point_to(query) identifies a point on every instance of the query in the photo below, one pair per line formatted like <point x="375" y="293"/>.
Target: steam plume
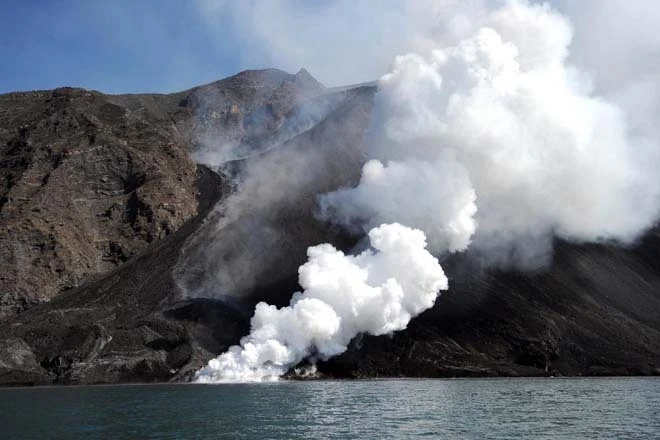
<point x="503" y="110"/>
<point x="375" y="292"/>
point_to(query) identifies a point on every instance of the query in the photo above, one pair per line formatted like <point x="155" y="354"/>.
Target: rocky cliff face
<point x="87" y="180"/>
<point x="122" y="259"/>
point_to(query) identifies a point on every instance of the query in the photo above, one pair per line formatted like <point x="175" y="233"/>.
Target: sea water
<point x="561" y="408"/>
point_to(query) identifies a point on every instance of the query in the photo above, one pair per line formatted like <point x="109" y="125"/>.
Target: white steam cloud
<point x="435" y="197"/>
<point x="503" y="110"/>
<point x="375" y="292"/>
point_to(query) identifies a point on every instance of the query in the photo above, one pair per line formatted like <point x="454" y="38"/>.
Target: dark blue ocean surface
<point x="587" y="408"/>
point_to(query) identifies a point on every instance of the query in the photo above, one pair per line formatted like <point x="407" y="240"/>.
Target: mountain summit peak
<point x="303" y="76"/>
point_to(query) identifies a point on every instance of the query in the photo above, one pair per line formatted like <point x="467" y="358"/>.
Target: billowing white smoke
<point x="488" y="113"/>
<point x="375" y="292"/>
<point x="444" y="210"/>
<point x="501" y="115"/>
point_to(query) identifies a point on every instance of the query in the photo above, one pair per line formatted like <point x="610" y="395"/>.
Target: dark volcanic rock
<point x="116" y="329"/>
<point x="88" y="180"/>
<point x="113" y="240"/>
<point x="596" y="311"/>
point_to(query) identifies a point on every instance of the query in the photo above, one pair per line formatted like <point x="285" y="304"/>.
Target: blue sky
<point x="113" y="46"/>
<point x="123" y="46"/>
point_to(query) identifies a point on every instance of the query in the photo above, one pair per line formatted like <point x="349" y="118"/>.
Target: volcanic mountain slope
<point x="89" y="180"/>
<point x="595" y="311"/>
<point x="114" y="244"/>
